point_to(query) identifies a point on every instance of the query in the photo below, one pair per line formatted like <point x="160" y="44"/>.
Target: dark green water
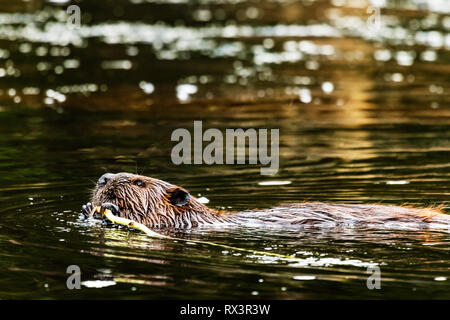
<point x="363" y="115"/>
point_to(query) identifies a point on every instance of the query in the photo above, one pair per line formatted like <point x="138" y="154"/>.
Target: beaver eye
<point x="139" y="183"/>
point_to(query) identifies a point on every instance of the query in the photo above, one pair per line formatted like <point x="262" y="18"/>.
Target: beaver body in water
<point x="159" y="204"/>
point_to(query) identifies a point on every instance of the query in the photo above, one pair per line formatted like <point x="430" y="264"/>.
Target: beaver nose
<point x="105" y="178"/>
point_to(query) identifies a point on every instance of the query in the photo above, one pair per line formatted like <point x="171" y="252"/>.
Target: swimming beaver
<point x="159" y="204"/>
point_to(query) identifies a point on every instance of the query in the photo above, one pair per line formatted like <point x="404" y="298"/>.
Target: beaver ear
<point x="178" y="196"/>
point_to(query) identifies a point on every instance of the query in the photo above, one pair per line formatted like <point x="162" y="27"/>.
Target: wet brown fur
<point x="153" y="202"/>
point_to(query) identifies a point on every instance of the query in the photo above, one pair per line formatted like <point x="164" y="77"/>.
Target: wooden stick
<point x="106" y="213"/>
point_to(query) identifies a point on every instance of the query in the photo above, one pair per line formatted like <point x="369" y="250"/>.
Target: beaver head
<point x="153" y="202"/>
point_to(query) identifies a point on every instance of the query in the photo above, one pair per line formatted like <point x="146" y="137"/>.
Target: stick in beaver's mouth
<point x="108" y="212"/>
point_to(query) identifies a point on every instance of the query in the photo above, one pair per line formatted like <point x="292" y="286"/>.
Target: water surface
<point x="363" y="113"/>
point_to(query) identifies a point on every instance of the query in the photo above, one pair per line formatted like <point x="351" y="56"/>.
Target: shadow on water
<point x="363" y="116"/>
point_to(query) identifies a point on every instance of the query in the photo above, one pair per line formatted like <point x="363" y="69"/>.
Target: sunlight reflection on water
<point x="363" y="117"/>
